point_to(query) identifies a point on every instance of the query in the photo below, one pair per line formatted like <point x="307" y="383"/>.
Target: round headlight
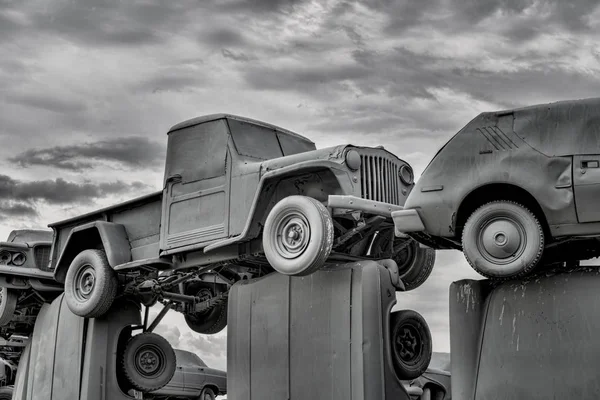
<point x="405" y="174"/>
<point x="5" y="257"/>
<point x="18" y="259"/>
<point x="353" y="160"/>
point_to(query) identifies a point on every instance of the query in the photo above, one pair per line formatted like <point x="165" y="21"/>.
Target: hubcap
<point x="501" y="239"/>
<point x="293" y="235"/>
<point x="149" y="361"/>
<point x="85" y="282"/>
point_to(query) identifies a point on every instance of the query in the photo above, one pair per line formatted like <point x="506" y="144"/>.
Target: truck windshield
<point x="540" y="340"/>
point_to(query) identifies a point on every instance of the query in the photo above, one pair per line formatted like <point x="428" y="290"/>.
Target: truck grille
<point x="42" y="257"/>
<point x="380" y="180"/>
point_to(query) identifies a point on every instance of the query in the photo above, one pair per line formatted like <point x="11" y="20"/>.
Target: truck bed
<point x="141" y="218"/>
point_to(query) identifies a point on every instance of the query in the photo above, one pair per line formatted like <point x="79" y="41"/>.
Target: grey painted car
<point x="25" y="280"/>
<point x="513" y="189"/>
<point x="193" y="379"/>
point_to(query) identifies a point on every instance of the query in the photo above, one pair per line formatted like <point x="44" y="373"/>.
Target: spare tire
<point x="411" y="345"/>
<point x="149" y="362"/>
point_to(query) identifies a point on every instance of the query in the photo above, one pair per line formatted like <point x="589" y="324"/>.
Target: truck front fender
<point x="108" y="236"/>
<point x="264" y="197"/>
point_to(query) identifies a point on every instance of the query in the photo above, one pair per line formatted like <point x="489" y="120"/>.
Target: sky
<point x="89" y="88"/>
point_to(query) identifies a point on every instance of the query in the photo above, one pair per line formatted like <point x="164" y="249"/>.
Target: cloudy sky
<point x="89" y="88"/>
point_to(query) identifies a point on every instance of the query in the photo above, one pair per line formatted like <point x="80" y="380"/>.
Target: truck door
<point x="197" y="181"/>
<point x="586" y="181"/>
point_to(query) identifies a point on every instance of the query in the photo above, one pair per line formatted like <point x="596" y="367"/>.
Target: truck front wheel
<point x="90" y="284"/>
<point x="298" y="236"/>
<point x="411" y="345"/>
<point x="149" y="362"/>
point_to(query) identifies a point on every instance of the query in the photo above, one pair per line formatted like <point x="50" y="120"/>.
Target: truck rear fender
<point x="107" y="236"/>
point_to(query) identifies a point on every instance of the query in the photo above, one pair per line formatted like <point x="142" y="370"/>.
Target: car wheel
<point x="298" y="236"/>
<point x="90" y="284"/>
<point x="210" y="321"/>
<point x="8" y="305"/>
<point x="148" y="362"/>
<point x="503" y="240"/>
<point x="207" y="394"/>
<point x="6" y="393"/>
<point x="410" y="344"/>
<point x="415" y="263"/>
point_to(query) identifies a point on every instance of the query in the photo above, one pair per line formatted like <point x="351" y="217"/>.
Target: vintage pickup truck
<point x="241" y="198"/>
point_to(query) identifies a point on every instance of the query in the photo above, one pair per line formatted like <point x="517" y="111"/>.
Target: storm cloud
<point x="132" y="152"/>
<point x="61" y="192"/>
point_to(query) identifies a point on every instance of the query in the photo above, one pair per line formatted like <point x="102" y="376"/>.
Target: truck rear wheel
<point x="8" y="305"/>
<point x="411" y="345"/>
<point x="298" y="236"/>
<point x="210" y="321"/>
<point x="90" y="284"/>
<point x="502" y="240"/>
<point x="415" y="263"/>
<point x="149" y="362"/>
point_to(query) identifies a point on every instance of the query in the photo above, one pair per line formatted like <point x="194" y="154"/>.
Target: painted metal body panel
<point x="548" y="152"/>
<point x="70" y="357"/>
<point x="342" y="311"/>
<point x="192" y="375"/>
<point x="532" y="339"/>
<point x="485" y="152"/>
<point x="222" y="176"/>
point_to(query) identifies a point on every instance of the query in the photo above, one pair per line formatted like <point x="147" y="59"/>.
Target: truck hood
<point x="334" y="154"/>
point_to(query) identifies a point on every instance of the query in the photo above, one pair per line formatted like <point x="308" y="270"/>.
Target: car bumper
<point x="360" y="204"/>
<point x="406" y="221"/>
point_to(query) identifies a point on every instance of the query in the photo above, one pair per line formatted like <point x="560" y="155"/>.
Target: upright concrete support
<point x="323" y="336"/>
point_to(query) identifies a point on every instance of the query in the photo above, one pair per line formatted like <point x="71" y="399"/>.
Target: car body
<point x="191" y="378"/>
<point x="545" y="158"/>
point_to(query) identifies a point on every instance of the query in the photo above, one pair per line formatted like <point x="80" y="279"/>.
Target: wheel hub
<point x="85" y="282"/>
<point x="293" y="234"/>
<point x="407" y="344"/>
<point x="149" y="361"/>
<point x="501" y="238"/>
